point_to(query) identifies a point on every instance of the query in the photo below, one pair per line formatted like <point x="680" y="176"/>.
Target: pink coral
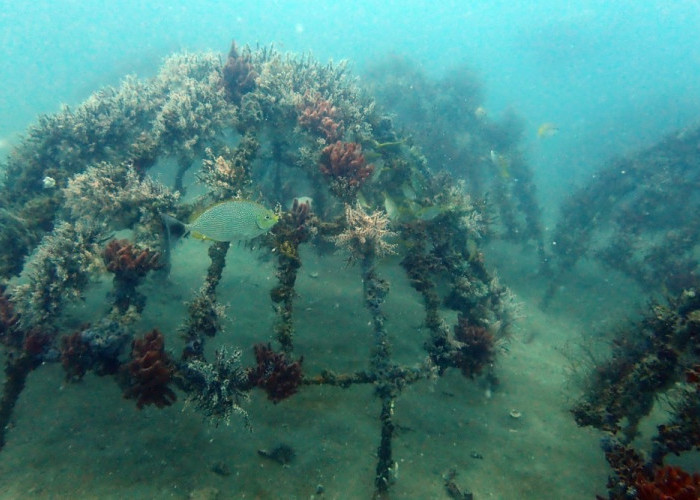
<point x="151" y="371"/>
<point x="344" y="164"/>
<point x="279" y="376"/>
<point x="476" y="347"/>
<point x="129" y="261"/>
<point x="239" y="75"/>
<point x="320" y="116"/>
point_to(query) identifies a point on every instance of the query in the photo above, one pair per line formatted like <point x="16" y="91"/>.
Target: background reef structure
<point x="654" y="362"/>
<point x="639" y="215"/>
<point x="446" y="118"/>
<point x="259" y="125"/>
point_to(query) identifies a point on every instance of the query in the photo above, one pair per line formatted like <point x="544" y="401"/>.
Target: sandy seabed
<point x="85" y="440"/>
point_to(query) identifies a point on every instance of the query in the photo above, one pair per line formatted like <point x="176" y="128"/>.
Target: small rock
<point x="208" y="493"/>
<point x="282" y="454"/>
<point x="221" y="468"/>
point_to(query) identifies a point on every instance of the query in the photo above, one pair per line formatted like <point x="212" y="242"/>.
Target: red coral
<point x="344" y="164"/>
<point x="275" y="373"/>
<point x="299" y="224"/>
<point x="476" y="347"/>
<point x="301" y="212"/>
<point x="151" y="370"/>
<point x="692" y="376"/>
<point x="320" y="116"/>
<point x="75" y="356"/>
<point x="239" y="75"/>
<point x="129" y="262"/>
<point x="669" y="483"/>
<point x="36" y="341"/>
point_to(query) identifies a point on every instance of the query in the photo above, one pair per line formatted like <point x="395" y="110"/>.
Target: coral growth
<point x="228" y="172"/>
<point x="37" y="342"/>
<point x="646" y="360"/>
<point x="150" y="371"/>
<point x="319" y="116"/>
<point x="365" y="234"/>
<point x="263" y="126"/>
<point x="205" y="316"/>
<point x="128" y="261"/>
<point x="175" y="114"/>
<point x="275" y="373"/>
<point x="302" y="219"/>
<point x="475" y="347"/>
<point x="224" y="172"/>
<point x="637" y="215"/>
<point x="75" y="356"/>
<point x="344" y="165"/>
<point x="633" y="478"/>
<point x="649" y="358"/>
<point x="193" y="106"/>
<point x="217" y="389"/>
<point x="117" y="196"/>
<point x="96" y="348"/>
<point x="672" y="483"/>
<point x="59" y="270"/>
<point x="238" y="75"/>
<point x="8" y="316"/>
<point x="692" y="376"/>
<point x="294" y="228"/>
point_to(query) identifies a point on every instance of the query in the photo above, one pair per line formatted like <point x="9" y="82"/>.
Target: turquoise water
<point x="607" y="79"/>
<point x="613" y="77"/>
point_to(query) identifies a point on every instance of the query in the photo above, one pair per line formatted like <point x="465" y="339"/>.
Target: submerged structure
<point x="654" y="359"/>
<point x="639" y="216"/>
<point x="446" y="117"/>
<point x="79" y="205"/>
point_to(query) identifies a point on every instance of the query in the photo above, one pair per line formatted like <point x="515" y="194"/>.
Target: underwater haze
<point x="613" y="76"/>
<point x="464" y="265"/>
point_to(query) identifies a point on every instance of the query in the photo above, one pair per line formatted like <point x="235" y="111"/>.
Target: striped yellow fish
<point x="229" y="221"/>
<point x="547" y="130"/>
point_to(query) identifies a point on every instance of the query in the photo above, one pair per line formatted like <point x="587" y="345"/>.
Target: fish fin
<point x="199" y="236"/>
<point x="174" y="229"/>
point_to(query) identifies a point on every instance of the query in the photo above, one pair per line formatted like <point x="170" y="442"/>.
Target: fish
<point x="391" y="208"/>
<point x="228" y="221"/>
<point x="389" y="144"/>
<point x="547" y="129"/>
<point x="502" y="163"/>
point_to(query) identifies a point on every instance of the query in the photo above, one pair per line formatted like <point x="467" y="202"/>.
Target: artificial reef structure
<point x="80" y="205"/>
<point x="639" y="215"/>
<point x="654" y="362"/>
<point x="638" y="219"/>
<point x="447" y="118"/>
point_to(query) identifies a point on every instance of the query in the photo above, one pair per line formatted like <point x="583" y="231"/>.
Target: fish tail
<point x="174" y="230"/>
